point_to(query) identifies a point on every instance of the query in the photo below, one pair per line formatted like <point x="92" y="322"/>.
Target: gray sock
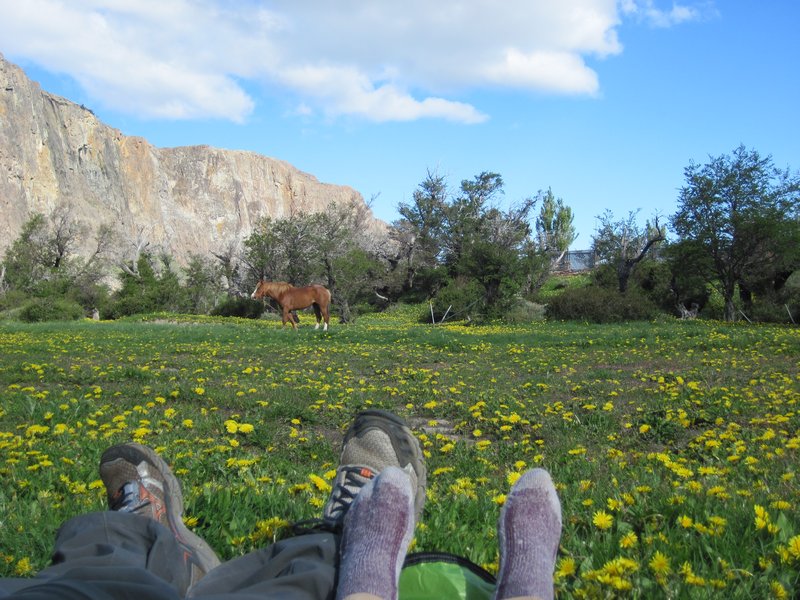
<point x="377" y="531"/>
<point x="529" y="531"/>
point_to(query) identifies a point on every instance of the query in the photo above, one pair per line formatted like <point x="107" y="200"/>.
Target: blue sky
<point x="603" y="101"/>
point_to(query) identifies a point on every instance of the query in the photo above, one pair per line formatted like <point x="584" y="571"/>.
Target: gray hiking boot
<point x="138" y="481"/>
<point x="377" y="439"/>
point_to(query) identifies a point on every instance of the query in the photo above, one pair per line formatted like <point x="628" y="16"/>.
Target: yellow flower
<point x="794" y="547"/>
<point x="602" y="520"/>
<point x="566" y="567"/>
<point x="685" y="521"/>
<point x="320" y="483"/>
<point x="513" y="477"/>
<point x="246" y="428"/>
<point x="629" y="540"/>
<point x="778" y="591"/>
<point x="644" y="428"/>
<point x="659" y="564"/>
<point x="231" y="426"/>
<point x="23" y="566"/>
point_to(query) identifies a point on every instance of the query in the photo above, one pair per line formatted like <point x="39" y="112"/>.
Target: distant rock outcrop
<point x="186" y="200"/>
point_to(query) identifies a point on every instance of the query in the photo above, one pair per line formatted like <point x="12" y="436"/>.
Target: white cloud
<point x="381" y="60"/>
<point x="559" y="72"/>
<point x="347" y="91"/>
<point x="646" y="11"/>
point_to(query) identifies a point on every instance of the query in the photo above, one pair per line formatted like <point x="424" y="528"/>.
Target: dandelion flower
<point x="685" y="521"/>
<point x="602" y="520"/>
<point x="794" y="547"/>
<point x="659" y="564"/>
<point x="513" y="477"/>
<point x="777" y="590"/>
<point x="566" y="567"/>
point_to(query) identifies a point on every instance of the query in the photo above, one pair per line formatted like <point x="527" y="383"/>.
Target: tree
<point x="554" y="229"/>
<point x="44" y="261"/>
<point x="624" y="244"/>
<point x="466" y="216"/>
<point x="203" y="283"/>
<point x="27" y="259"/>
<point x="418" y="235"/>
<point x="452" y="243"/>
<point x="742" y="212"/>
<point x="152" y="286"/>
<point x="262" y="251"/>
<point x="344" y="258"/>
<point x="554" y="235"/>
<point x="333" y="248"/>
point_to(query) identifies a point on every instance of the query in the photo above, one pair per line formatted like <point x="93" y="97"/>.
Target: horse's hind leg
<point x="287" y="317"/>
<point x="318" y="314"/>
<point x="325" y="316"/>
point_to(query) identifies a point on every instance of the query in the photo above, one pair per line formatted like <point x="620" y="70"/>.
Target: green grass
<point x="678" y="430"/>
<point x="556" y="284"/>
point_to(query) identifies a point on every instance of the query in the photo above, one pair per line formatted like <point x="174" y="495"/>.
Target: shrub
<point x="782" y="306"/>
<point x="459" y="299"/>
<point x="556" y="284"/>
<point x="246" y="308"/>
<point x="12" y="299"/>
<point x="600" y="305"/>
<point x="50" y="309"/>
<point x="526" y="311"/>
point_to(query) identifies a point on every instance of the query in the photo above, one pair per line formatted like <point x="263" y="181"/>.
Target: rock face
<point x="55" y="154"/>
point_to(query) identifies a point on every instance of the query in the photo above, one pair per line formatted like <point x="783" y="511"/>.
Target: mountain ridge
<point x="184" y="200"/>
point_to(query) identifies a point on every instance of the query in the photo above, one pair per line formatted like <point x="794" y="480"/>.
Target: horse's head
<point x="260" y="290"/>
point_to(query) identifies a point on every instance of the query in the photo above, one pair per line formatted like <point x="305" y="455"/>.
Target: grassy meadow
<point x="674" y="445"/>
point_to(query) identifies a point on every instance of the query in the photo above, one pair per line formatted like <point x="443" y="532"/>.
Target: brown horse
<point x="292" y="298"/>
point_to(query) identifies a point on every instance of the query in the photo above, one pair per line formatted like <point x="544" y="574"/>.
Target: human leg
<point x="302" y="567"/>
<point x="306" y="566"/>
<point x="138" y="481"/>
<point x="377" y="439"/>
<point x="377" y="531"/>
<point x="140" y="545"/>
<point x="529" y="532"/>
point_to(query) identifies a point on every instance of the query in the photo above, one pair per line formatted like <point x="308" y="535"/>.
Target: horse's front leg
<point x="287" y="316"/>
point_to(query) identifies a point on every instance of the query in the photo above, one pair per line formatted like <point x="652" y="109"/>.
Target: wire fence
<point x="575" y="261"/>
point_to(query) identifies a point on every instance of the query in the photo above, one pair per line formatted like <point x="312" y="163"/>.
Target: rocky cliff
<point x="55" y="154"/>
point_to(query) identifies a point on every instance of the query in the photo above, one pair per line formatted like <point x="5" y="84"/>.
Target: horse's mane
<point x="279" y="287"/>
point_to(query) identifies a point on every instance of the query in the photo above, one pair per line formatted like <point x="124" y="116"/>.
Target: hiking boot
<point x="138" y="481"/>
<point x="377" y="439"/>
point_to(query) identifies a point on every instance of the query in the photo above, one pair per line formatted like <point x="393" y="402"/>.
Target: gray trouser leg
<point x="108" y="555"/>
<point x="298" y="568"/>
<point x="118" y="556"/>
